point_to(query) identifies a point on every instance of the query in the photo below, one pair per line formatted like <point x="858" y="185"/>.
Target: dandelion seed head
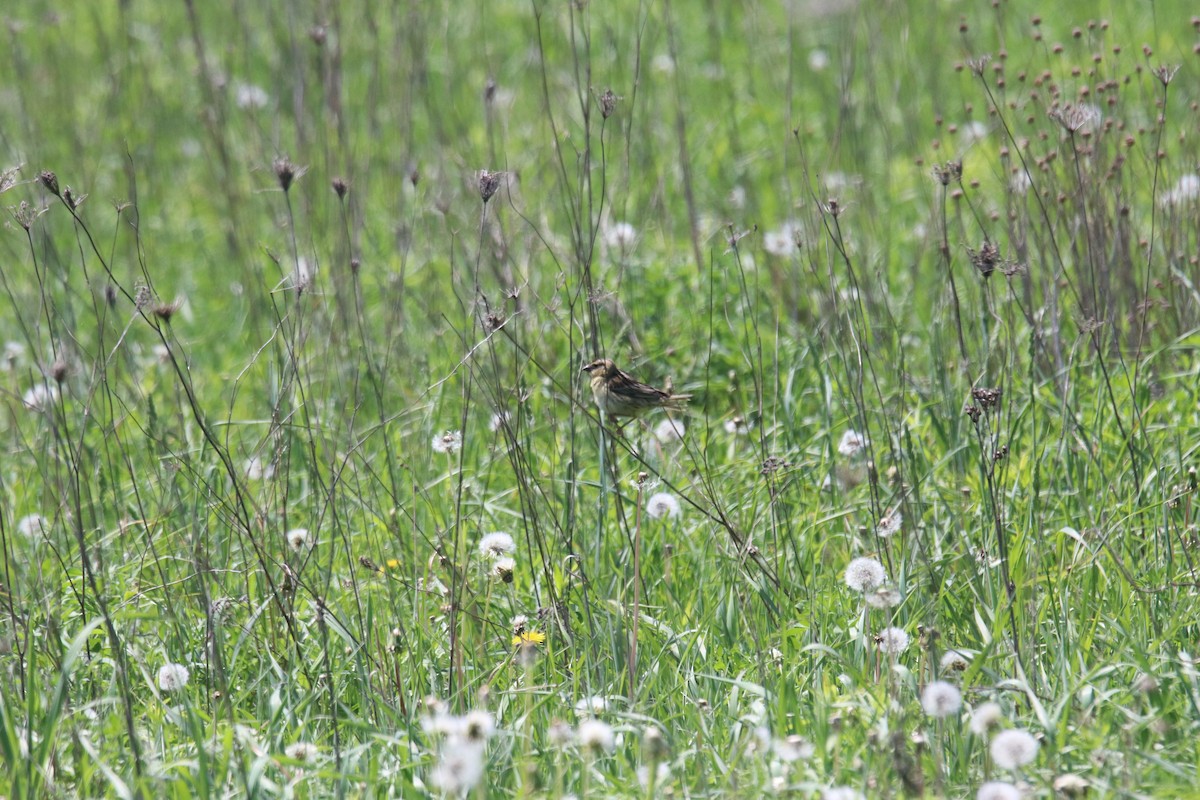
<point x="669" y="430"/>
<point x="1070" y="785"/>
<point x="1185" y="191"/>
<point x="459" y="768"/>
<point x="892" y="641"/>
<point x="736" y="426"/>
<point x="596" y="736"/>
<point x="449" y="442"/>
<point x="257" y="470"/>
<point x="864" y="574"/>
<point x="954" y="661"/>
<point x="479" y="725"/>
<point x="985" y="717"/>
<point x="249" y="97"/>
<point x="496" y="544"/>
<point x="782" y="241"/>
<point x="662" y="772"/>
<point x="1013" y="749"/>
<point x="591" y="705"/>
<point x="998" y="790"/>
<point x="560" y="733"/>
<point x="32" y="525"/>
<point x="842" y="793"/>
<point x="301" y="751"/>
<point x="1145" y="684"/>
<point x="503" y="568"/>
<point x="973" y="132"/>
<point x="941" y="699"/>
<point x="620" y="236"/>
<point x="662" y="505"/>
<point x="172" y="677"/>
<point x="890" y="524"/>
<point x="298" y="539"/>
<point x="885" y="596"/>
<point x="14" y="354"/>
<point x="793" y="748"/>
<point x="40" y="397"/>
<point x="818" y="61"/>
<point x="852" y="443"/>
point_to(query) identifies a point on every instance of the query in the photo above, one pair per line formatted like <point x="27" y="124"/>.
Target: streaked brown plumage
<point x="618" y="394"/>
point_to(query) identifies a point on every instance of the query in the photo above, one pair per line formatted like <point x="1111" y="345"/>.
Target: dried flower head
<point x="341" y="187"/>
<point x="988" y="399"/>
<point x="49" y="180"/>
<point x="608" y="103"/>
<point x="165" y="311"/>
<point x="286" y="172"/>
<point x="8" y="178"/>
<point x="489" y="183"/>
<point x="1165" y="73"/>
<point x="949" y="172"/>
<point x="1076" y="118"/>
<point x="986" y="258"/>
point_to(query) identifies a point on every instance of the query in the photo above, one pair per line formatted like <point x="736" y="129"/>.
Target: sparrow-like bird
<point x="618" y="394"/>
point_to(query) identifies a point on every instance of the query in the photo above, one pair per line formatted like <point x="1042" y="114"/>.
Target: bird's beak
<point x="587" y="368"/>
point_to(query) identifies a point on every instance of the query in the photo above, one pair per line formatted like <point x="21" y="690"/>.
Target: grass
<point x="929" y="273"/>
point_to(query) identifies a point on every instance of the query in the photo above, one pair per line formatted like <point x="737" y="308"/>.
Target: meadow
<point x="304" y="493"/>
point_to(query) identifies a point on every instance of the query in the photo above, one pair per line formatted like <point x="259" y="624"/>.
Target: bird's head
<point x="603" y="367"/>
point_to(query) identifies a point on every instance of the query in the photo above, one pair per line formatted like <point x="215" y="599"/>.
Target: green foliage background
<point x="194" y="314"/>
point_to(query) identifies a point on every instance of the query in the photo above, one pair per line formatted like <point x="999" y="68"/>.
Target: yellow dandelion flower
<point x="529" y="638"/>
<point x="393" y="563"/>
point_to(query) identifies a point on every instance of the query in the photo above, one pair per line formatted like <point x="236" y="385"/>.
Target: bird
<point x="619" y="394"/>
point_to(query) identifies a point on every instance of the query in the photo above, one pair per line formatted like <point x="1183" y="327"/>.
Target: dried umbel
<point x="949" y="172"/>
<point x="607" y="103"/>
<point x="489" y="183"/>
<point x="986" y="258"/>
<point x="988" y="399"/>
<point x="286" y="172"/>
<point x="50" y="181"/>
<point x="1075" y="118"/>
